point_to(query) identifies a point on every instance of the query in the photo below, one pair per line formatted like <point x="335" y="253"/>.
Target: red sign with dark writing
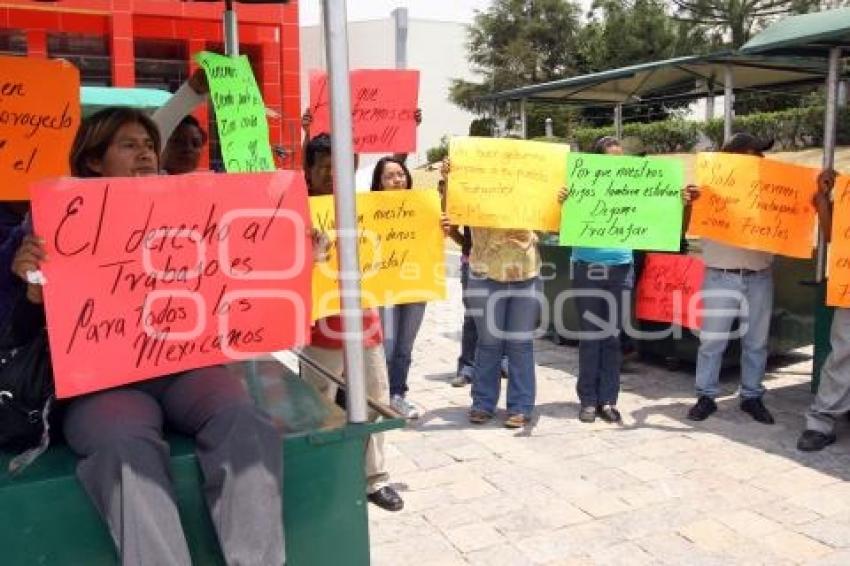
<point x="150" y="276"/>
<point x="668" y="290"/>
<point x="383" y="104"/>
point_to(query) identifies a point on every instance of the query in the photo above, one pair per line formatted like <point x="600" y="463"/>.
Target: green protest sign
<point x="623" y="202"/>
<point x="240" y="113"/>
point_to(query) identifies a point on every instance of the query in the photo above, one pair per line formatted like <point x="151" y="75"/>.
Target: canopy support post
<point x="728" y="102"/>
<point x="523" y="116"/>
<point x="336" y="48"/>
<point x="830" y="118"/>
<point x="618" y="121"/>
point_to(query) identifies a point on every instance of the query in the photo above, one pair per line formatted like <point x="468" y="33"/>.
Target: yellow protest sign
<point x="838" y="282"/>
<point x="755" y="203"/>
<point x="506" y="183"/>
<point x="402" y="253"/>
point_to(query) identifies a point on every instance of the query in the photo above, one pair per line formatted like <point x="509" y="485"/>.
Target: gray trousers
<point x="833" y="397"/>
<point x="124" y="466"/>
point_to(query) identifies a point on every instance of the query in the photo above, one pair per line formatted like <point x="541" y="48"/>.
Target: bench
<point x="49" y="520"/>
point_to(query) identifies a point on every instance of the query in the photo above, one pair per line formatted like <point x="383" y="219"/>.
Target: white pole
<point x="618" y="121"/>
<point x="830" y="118"/>
<point x="400" y="18"/>
<point x="728" y="102"/>
<point x="709" y="100"/>
<point x="231" y="30"/>
<point x="336" y="48"/>
<point x="549" y="130"/>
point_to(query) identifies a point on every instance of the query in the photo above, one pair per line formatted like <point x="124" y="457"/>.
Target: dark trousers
<point x="600" y="294"/>
<point x="469" y="334"/>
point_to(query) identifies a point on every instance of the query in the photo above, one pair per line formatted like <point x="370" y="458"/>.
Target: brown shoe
<point x="479" y="417"/>
<point x="516" y="420"/>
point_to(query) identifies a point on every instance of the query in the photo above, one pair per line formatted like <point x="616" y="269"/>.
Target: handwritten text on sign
<point x="668" y="290"/>
<point x="383" y="104"/>
<point x="239" y="112"/>
<point x="623" y="202"/>
<point x="755" y="203"/>
<point x="402" y="255"/>
<point x="838" y="283"/>
<point x="506" y="183"/>
<point x="39" y="116"/>
<point x="151" y="276"/>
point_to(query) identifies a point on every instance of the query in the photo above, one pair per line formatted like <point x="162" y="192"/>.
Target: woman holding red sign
<point x="124" y="461"/>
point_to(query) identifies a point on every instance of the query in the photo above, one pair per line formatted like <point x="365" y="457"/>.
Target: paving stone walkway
<point x="657" y="490"/>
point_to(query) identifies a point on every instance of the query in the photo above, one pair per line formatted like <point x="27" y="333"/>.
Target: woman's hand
<point x="689" y="194"/>
<point x="198" y="81"/>
<point x="826" y="181"/>
<point x="307" y="122"/>
<point x="563" y="195"/>
<point x="445" y="224"/>
<point x="417" y="116"/>
<point x="321" y="245"/>
<point x="445" y="169"/>
<point x="28" y="260"/>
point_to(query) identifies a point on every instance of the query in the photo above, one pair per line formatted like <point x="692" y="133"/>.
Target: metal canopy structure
<point x="808" y="35"/>
<point x="671" y="77"/>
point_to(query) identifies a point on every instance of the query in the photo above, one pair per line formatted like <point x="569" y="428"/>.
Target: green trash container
<point x="48" y="520"/>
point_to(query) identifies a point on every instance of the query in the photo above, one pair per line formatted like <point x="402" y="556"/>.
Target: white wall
<point x="436" y="49"/>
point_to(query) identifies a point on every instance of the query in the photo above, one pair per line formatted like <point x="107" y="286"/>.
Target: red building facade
<point x="150" y="43"/>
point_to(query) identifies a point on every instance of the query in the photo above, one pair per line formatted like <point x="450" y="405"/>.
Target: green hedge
<point x="791" y="129"/>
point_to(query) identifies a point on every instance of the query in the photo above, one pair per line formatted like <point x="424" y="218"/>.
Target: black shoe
<point x="812" y="441"/>
<point x="703" y="409"/>
<point x="587" y="414"/>
<point x="386" y="498"/>
<point x="756" y="409"/>
<point x="609" y="414"/>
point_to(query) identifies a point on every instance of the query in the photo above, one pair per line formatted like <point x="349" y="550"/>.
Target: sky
<point x="448" y="10"/>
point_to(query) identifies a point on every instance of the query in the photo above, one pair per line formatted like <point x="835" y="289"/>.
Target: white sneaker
<point x="401" y="406"/>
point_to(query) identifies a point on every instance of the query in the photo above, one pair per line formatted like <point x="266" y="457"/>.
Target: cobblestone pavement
<point x="656" y="490"/>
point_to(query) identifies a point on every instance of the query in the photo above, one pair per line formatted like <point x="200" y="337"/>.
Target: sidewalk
<point x="657" y="490"/>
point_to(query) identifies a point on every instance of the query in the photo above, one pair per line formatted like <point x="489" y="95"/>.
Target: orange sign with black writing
<point x="755" y="203"/>
<point x="39" y="117"/>
<point x="838" y="282"/>
<point x="152" y="276"/>
<point x="383" y="108"/>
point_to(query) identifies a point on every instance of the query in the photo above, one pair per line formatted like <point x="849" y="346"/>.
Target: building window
<point x="90" y="53"/>
<point x="13" y="42"/>
<point x="162" y="64"/>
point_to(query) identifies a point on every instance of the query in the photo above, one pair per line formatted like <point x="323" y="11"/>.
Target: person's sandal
<point x="479" y="417"/>
<point x="517" y="420"/>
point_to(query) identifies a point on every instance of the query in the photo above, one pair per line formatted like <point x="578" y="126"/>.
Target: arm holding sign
<point x="27" y="261"/>
<point x="189" y="96"/>
<point x="821" y="202"/>
<point x="689" y="194"/>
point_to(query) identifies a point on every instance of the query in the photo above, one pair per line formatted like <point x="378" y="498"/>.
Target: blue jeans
<point x="750" y="298"/>
<point x="400" y="325"/>
<point x="600" y="355"/>
<point x="506" y="315"/>
<point x="468" y="335"/>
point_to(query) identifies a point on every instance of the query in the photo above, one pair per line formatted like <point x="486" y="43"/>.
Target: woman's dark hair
<point x="602" y="144"/>
<point x="379" y="171"/>
<point x="191" y="121"/>
<point x="318" y="145"/>
<point x="97" y="132"/>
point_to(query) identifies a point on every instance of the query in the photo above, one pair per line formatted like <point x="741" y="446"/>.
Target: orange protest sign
<point x="755" y="203"/>
<point x="383" y="104"/>
<point x="838" y="282"/>
<point x="668" y="290"/>
<point x="156" y="275"/>
<point x="39" y="116"/>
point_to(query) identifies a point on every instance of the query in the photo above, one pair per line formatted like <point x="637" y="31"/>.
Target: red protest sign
<point x="383" y="104"/>
<point x="39" y="116"/>
<point x="151" y="276"/>
<point x="668" y="290"/>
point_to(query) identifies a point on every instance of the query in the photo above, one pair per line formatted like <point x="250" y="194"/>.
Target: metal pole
<point x="709" y="101"/>
<point x="728" y="102"/>
<point x="523" y="118"/>
<point x="336" y="48"/>
<point x="830" y="116"/>
<point x="231" y="30"/>
<point x="400" y="17"/>
<point x="618" y="121"/>
<point x="549" y="130"/>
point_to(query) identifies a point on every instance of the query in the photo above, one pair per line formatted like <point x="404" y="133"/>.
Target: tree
<point x="737" y="19"/>
<point x="520" y="42"/>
